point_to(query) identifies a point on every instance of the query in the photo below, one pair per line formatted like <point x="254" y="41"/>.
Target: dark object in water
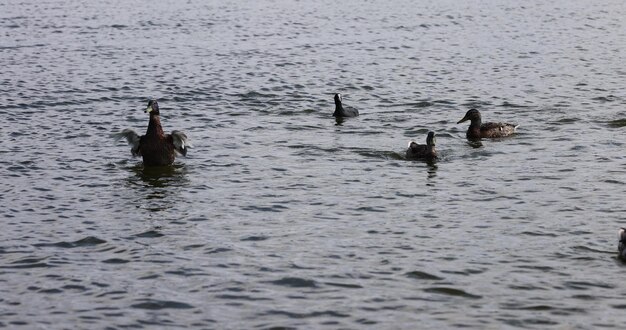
<point x="621" y="246"/>
<point x="340" y="111"/>
<point x="478" y="130"/>
<point x="421" y="151"/>
<point x="155" y="147"/>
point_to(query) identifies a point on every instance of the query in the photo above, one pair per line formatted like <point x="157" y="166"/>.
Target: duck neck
<point x="338" y="107"/>
<point x="476" y="123"/>
<point x="154" y="127"/>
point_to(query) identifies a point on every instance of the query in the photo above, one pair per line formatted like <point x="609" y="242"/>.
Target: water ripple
<point x="283" y="217"/>
<point x="160" y="304"/>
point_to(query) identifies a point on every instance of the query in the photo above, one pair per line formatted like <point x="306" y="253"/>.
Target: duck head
<point x="471" y="114"/>
<point x="153" y="108"/>
<point x="338" y="99"/>
<point x="430" y="139"/>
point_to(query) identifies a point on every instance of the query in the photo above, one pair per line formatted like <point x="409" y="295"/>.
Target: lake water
<point x="281" y="218"/>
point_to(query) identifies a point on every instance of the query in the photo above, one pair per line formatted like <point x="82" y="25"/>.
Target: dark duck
<point x="340" y="111"/>
<point x="421" y="151"/>
<point x="621" y="246"/>
<point x="478" y="129"/>
<point x="155" y="147"/>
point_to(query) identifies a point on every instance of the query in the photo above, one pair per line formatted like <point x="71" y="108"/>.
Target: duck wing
<point x="416" y="150"/>
<point x="132" y="138"/>
<point x="345" y="111"/>
<point x="181" y="142"/>
<point x="498" y="129"/>
<point x="350" y="112"/>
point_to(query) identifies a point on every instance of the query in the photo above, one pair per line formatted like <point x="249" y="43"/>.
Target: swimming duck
<point x="421" y="151"/>
<point x="478" y="130"/>
<point x="340" y="111"/>
<point x="621" y="246"/>
<point x="156" y="147"/>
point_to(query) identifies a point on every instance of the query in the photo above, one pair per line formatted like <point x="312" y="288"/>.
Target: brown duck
<point x="478" y="130"/>
<point x="155" y="147"/>
<point x="421" y="151"/>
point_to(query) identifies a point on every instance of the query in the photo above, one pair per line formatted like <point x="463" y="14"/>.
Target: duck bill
<point x="148" y="109"/>
<point x="462" y="120"/>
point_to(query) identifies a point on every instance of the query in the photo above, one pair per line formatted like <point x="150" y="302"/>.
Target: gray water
<point x="280" y="217"/>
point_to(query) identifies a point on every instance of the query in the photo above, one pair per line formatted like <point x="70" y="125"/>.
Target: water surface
<point x="279" y="217"/>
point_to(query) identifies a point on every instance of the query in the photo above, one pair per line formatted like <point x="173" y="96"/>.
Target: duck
<point x="621" y="246"/>
<point x="155" y="147"/>
<point x="478" y="130"/>
<point x="340" y="111"/>
<point x="421" y="151"/>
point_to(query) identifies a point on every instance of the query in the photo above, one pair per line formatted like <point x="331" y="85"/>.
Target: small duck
<point x="340" y="111"/>
<point x="420" y="151"/>
<point x="478" y="130"/>
<point x="155" y="147"/>
<point x="621" y="246"/>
